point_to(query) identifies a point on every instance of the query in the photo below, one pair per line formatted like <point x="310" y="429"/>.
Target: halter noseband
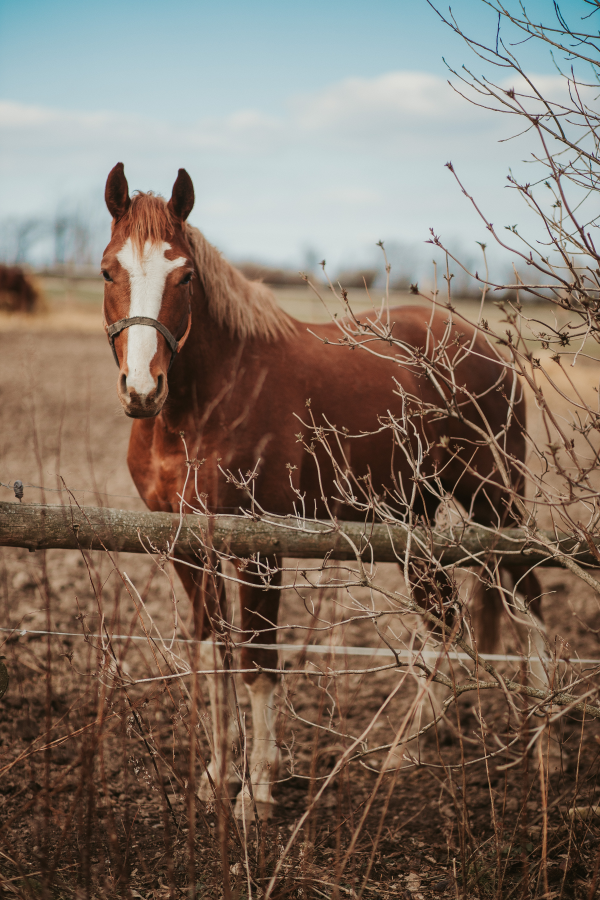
<point x="116" y="328"/>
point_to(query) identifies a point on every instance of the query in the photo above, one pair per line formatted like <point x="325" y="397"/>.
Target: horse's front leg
<point x="259" y="608"/>
<point x="522" y="597"/>
<point x="206" y="591"/>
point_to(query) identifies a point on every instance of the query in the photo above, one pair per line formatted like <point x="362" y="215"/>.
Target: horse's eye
<point x="186" y="278"/>
<point x="105" y="275"/>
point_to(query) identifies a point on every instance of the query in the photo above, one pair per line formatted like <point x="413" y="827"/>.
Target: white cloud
<point x="16" y="115"/>
<point x="356" y="161"/>
<point x="378" y="114"/>
<point x="555" y="87"/>
<point x="371" y="111"/>
<point x="394" y="102"/>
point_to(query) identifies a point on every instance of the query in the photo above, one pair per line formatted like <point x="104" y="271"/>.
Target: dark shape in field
<point x="270" y="274"/>
<point x="357" y="278"/>
<point x="18" y="290"/>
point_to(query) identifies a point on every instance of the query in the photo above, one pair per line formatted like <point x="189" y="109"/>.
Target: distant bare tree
<point x="60" y="234"/>
<point x="18" y="237"/>
<point x="70" y="237"/>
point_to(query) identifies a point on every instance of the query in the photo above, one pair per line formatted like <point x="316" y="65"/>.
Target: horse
<point x="205" y="353"/>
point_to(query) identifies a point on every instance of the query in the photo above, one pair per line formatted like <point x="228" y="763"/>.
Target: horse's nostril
<point x="159" y="385"/>
<point x="123" y="383"/>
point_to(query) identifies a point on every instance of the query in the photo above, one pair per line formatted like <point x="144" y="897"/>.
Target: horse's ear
<point x="182" y="197"/>
<point x="116" y="192"/>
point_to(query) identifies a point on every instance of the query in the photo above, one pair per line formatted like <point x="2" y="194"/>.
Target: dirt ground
<point x="96" y="784"/>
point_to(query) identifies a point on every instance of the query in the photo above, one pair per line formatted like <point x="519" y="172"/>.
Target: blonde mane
<point x="245" y="308"/>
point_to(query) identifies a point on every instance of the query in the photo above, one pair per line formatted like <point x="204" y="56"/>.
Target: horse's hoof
<point x="208" y="792"/>
<point x="244" y="808"/>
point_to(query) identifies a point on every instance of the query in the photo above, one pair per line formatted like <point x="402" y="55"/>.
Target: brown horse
<point x="203" y="351"/>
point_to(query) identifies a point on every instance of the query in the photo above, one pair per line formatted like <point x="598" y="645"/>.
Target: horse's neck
<point x="208" y="356"/>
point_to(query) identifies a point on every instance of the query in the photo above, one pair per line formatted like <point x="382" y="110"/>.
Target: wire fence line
<point x="95" y="491"/>
<point x="320" y="649"/>
<point x="50" y="490"/>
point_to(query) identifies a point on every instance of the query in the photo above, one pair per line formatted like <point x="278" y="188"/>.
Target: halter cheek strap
<point x="116" y="328"/>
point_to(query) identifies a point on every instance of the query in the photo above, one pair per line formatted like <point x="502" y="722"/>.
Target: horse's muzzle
<point x="142" y="412"/>
<point x="142" y="406"/>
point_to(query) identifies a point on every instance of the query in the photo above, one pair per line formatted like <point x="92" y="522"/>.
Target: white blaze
<point x="147" y="278"/>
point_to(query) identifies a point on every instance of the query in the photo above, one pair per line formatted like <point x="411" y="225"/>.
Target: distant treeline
<point x="68" y="239"/>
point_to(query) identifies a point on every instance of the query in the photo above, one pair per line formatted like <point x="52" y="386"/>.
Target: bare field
<point x="95" y="782"/>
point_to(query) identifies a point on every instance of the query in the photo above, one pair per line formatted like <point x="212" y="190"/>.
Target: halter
<point x="116" y="328"/>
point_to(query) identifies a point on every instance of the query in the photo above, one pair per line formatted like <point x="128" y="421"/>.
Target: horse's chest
<point x="157" y="466"/>
<point x="166" y="467"/>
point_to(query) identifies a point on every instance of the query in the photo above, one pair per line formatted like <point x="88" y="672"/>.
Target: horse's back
<point x="375" y="390"/>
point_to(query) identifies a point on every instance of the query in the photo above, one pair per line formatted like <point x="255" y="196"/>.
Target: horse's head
<point x="147" y="295"/>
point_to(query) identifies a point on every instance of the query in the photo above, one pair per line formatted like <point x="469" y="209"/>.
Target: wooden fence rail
<point x="41" y="527"/>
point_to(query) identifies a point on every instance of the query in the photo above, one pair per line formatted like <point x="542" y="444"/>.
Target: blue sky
<point x="304" y="125"/>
